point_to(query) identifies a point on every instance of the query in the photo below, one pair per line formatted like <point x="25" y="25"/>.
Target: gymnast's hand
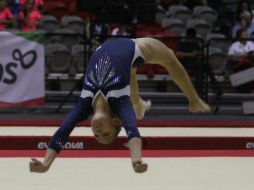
<point x="37" y="166"/>
<point x="139" y="167"/>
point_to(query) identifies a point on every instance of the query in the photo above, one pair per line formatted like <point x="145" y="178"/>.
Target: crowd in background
<point x="23" y="14"/>
<point x="238" y="23"/>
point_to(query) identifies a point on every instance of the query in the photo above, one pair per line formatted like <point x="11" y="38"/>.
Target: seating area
<point x="180" y="17"/>
<point x="170" y="26"/>
<point x="71" y="36"/>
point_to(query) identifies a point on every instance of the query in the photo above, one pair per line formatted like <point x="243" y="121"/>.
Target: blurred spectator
<point x="98" y="29"/>
<point x="122" y="30"/>
<point x="14" y="6"/>
<point x="243" y="5"/>
<point x="241" y="57"/>
<point x="190" y="54"/>
<point x="29" y="18"/>
<point x="245" y="23"/>
<point x="38" y="4"/>
<point x="6" y="17"/>
<point x="240" y="53"/>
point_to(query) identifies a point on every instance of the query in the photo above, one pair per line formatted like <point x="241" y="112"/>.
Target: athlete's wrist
<point x="49" y="157"/>
<point x="134" y="163"/>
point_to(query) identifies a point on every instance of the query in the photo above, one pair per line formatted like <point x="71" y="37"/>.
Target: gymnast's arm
<point x="123" y="108"/>
<point x="80" y="112"/>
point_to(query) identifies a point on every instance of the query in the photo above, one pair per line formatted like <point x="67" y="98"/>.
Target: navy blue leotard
<point x="108" y="73"/>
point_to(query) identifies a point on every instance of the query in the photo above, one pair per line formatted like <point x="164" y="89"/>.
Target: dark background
<point x="120" y="11"/>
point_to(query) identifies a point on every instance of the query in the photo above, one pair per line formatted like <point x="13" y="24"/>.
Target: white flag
<point x="21" y="70"/>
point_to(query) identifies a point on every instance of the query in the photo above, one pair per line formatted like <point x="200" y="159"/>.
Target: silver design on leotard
<point x="110" y="75"/>
<point x="104" y="74"/>
<point x="102" y="67"/>
<point x="92" y="79"/>
<point x="115" y="80"/>
<point x="59" y="142"/>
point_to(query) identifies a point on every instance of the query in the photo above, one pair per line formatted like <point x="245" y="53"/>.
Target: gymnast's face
<point x="104" y="128"/>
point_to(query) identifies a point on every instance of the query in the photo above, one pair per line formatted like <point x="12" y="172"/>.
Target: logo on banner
<point x="250" y="145"/>
<point x="8" y="71"/>
<point x="67" y="146"/>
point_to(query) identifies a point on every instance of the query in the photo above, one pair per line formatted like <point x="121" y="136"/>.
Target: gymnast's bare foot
<point x="199" y="106"/>
<point x="141" y="108"/>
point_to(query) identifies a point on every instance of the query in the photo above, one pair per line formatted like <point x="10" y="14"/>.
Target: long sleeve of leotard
<point x="79" y="113"/>
<point x="122" y="106"/>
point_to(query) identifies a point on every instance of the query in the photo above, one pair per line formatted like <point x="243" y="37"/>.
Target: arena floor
<point x="116" y="173"/>
<point x="111" y="169"/>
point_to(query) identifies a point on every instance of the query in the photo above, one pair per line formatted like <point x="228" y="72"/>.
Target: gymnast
<point x="110" y="93"/>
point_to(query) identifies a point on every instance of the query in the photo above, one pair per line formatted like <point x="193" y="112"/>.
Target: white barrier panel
<point x="21" y="69"/>
<point x="242" y="77"/>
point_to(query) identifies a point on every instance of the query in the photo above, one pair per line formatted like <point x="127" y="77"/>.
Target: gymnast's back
<point x="110" y="66"/>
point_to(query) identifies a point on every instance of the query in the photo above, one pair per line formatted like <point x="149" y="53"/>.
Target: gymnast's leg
<point x="155" y="52"/>
<point x="140" y="106"/>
